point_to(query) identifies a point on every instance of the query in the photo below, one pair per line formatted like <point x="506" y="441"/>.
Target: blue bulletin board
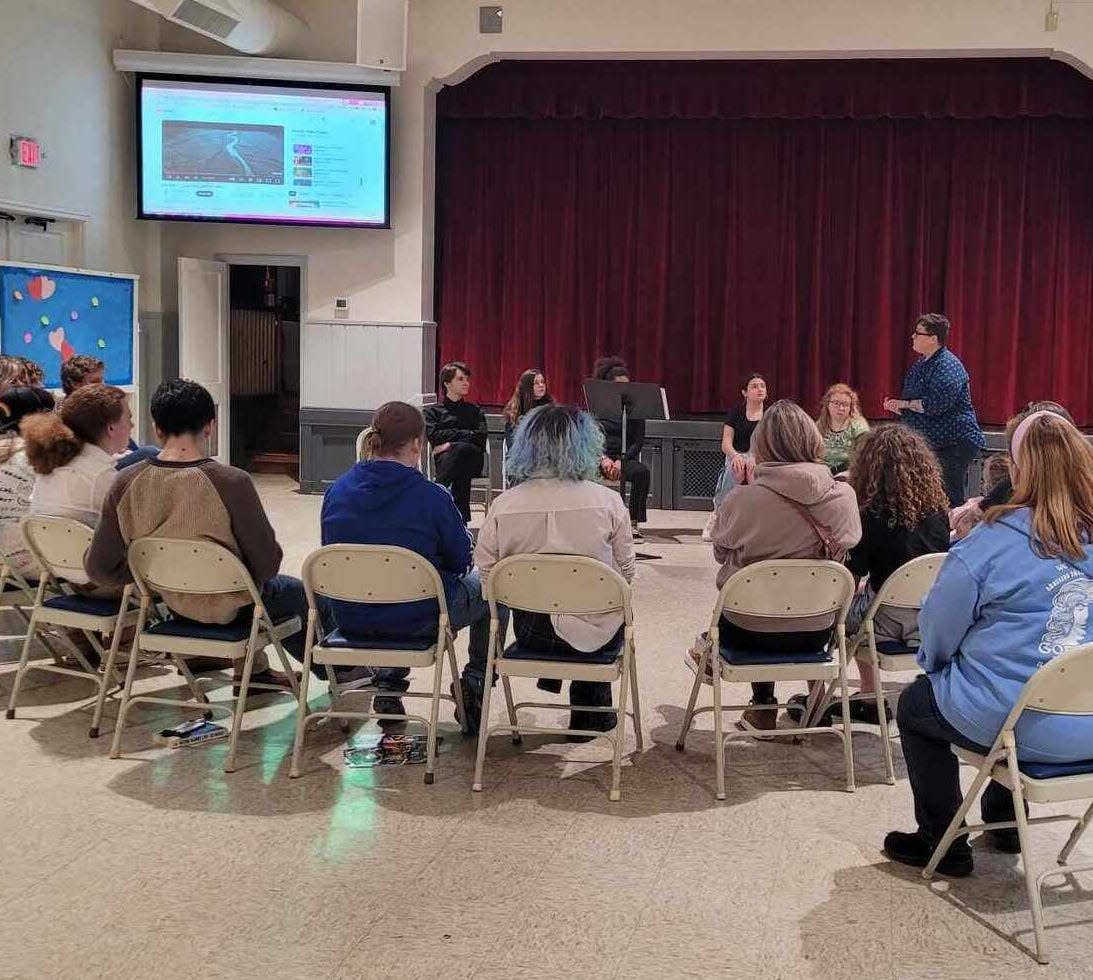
<point x="50" y="314"/>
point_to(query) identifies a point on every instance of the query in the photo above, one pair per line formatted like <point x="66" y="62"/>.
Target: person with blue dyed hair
<point x="557" y="506"/>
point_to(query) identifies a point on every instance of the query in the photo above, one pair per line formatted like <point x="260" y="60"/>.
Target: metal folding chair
<point x="201" y="568"/>
<point x="367" y="573"/>
<point x="789" y="591"/>
<point x="564" y="585"/>
<point x="58" y="545"/>
<point x="1062" y="686"/>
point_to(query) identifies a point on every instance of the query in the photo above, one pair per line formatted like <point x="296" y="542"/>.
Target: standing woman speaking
<point x="937" y="402"/>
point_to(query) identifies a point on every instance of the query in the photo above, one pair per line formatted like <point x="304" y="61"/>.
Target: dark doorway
<point x="265" y="368"/>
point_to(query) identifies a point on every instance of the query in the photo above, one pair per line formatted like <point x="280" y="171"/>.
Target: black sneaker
<point x="916" y="851"/>
<point x="471" y="689"/>
<point x="386" y="704"/>
<point x="1005" y="840"/>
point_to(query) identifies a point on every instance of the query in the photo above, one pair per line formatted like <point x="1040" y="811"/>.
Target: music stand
<point x="622" y="401"/>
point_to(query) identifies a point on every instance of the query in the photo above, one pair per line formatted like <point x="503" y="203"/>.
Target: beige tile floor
<point x="160" y="866"/>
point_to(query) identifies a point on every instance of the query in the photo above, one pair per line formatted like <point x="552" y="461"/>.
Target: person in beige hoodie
<point x="769" y="518"/>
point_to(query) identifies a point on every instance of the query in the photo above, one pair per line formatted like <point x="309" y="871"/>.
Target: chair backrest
<point x="788" y="589"/>
<point x="362" y="449"/>
<point x="1062" y="686"/>
<point x="907" y="586"/>
<point x="574" y="585"/>
<point x="371" y="573"/>
<point x="188" y="567"/>
<point x="58" y="543"/>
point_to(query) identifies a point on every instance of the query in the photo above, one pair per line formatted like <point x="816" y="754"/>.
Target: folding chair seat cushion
<point x="84" y="604"/>
<point x="405" y="651"/>
<point x="605" y="655"/>
<point x="337" y="640"/>
<point x="894" y="648"/>
<point x="1053" y="770"/>
<point x="736" y="657"/>
<point x="235" y="632"/>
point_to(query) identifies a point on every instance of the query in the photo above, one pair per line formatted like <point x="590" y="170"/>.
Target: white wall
<point x="57" y="83"/>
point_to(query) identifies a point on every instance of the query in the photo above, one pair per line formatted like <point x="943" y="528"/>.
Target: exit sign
<point x="25" y="152"/>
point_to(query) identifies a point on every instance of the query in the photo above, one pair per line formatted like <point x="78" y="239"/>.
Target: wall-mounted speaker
<point x="489" y="20"/>
<point x="382" y="27"/>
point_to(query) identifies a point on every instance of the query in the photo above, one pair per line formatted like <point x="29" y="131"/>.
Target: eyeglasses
<point x="921" y="333"/>
<point x="835" y="404"/>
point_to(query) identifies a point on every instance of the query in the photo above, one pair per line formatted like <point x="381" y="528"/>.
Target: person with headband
<point x="386" y="500"/>
<point x="1009" y="597"/>
<point x="937" y="402"/>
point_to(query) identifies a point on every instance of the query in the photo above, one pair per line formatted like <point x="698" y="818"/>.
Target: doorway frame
<point x="276" y="260"/>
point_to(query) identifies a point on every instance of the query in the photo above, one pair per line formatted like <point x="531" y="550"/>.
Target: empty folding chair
<point x="367" y="573"/>
<point x="58" y="545"/>
<point x="200" y="568"/>
<point x="1063" y="685"/>
<point x="906" y="589"/>
<point x="560" y="585"/>
<point x="791" y="591"/>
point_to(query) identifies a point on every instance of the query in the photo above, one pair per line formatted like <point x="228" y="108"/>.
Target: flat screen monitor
<point x="263" y="152"/>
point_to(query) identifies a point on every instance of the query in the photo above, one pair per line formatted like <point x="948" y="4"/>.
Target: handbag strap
<point x="831" y="548"/>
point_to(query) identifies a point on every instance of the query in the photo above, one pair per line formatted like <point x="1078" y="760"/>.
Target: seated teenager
<point x="16" y="476"/>
<point x="388" y="501"/>
<point x="963" y="518"/>
<point x="556" y="506"/>
<point x="531" y="392"/>
<point x="904" y="514"/>
<point x="82" y="370"/>
<point x="1015" y="593"/>
<point x="185" y="494"/>
<point x="736" y="436"/>
<point x="457" y="435"/>
<point x="792" y="508"/>
<point x="617" y="465"/>
<point x="841" y="424"/>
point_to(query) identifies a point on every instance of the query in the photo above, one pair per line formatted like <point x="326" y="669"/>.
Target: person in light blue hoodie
<point x="387" y="500"/>
<point x="1015" y="593"/>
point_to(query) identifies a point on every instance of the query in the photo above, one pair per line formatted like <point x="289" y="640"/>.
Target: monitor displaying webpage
<point x="263" y="152"/>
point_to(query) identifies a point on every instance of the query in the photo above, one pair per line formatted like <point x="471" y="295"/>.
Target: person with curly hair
<point x="904" y="514"/>
<point x="1009" y="597"/>
<point x="841" y="424"/>
<point x="556" y="505"/>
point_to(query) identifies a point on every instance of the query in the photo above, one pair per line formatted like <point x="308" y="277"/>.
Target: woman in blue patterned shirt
<point x="937" y="401"/>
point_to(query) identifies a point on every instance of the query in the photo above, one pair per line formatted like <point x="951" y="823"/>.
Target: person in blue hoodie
<point x="1015" y="593"/>
<point x="387" y="500"/>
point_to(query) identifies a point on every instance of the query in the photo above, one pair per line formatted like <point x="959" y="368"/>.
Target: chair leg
<point x="241" y="701"/>
<point x="885" y="735"/>
<point x="127" y="690"/>
<point x="848" y="741"/>
<point x="1031" y="884"/>
<point x="434" y="712"/>
<point x="302" y="707"/>
<point x="637" y="702"/>
<point x="105" y="681"/>
<point x="688" y="715"/>
<point x="191" y="682"/>
<point x="285" y="663"/>
<point x="955" y="830"/>
<point x="1075" y="836"/>
<point x="457" y="687"/>
<point x="21" y="670"/>
<point x="506" y="685"/>
<point x="484" y="720"/>
<point x="620" y="735"/>
<point x="719" y="733"/>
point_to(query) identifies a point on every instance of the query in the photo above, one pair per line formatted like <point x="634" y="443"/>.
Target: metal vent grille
<point x="206" y="19"/>
<point x="701" y="470"/>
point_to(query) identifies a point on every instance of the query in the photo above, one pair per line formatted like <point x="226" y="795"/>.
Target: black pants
<point x="455" y="469"/>
<point x="933" y="770"/>
<point x="636" y="473"/>
<point x="762" y="692"/>
<point x="536" y="632"/>
<point x="955" y="461"/>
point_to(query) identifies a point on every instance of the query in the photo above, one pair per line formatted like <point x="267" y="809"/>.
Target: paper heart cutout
<point x="56" y="338"/>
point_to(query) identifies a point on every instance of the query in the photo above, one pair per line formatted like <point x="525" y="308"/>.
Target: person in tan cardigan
<point x="766" y="519"/>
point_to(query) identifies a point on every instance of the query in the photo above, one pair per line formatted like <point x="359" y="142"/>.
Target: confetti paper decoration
<point x="18" y="295"/>
<point x="94" y="300"/>
<point x="102" y="344"/>
<point x="74" y="315"/>
<point x="44" y="321"/>
<point x="28" y="337"/>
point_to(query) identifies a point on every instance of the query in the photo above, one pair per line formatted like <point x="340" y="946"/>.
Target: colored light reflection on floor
<point x="352" y="817"/>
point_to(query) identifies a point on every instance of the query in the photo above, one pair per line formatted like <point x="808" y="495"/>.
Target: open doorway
<point x="264" y="325"/>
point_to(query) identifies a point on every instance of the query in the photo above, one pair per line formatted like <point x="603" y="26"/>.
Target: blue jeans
<point x="284" y="597"/>
<point x="466" y="609"/>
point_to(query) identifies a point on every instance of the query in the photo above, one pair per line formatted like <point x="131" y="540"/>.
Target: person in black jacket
<point x="904" y="514"/>
<point x="456" y="429"/>
<point x="626" y="467"/>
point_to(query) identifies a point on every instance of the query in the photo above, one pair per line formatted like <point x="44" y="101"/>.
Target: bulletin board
<point x="50" y="314"/>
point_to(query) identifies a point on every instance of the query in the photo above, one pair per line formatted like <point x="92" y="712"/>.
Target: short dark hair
<point x="935" y="324"/>
<point x="448" y="371"/>
<point x="182" y="407"/>
<point x="609" y="368"/>
<point x="75" y="369"/>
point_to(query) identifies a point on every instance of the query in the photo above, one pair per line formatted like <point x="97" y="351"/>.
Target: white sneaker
<point x="707" y="531"/>
<point x="635" y="530"/>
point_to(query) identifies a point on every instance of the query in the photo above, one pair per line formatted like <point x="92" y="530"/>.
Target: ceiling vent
<point x="205" y="19"/>
<point x="250" y="26"/>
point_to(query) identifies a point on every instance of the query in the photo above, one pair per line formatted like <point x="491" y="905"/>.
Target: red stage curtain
<point x="708" y="219"/>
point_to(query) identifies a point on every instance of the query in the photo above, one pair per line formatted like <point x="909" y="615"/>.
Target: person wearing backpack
<point x="793" y="508"/>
